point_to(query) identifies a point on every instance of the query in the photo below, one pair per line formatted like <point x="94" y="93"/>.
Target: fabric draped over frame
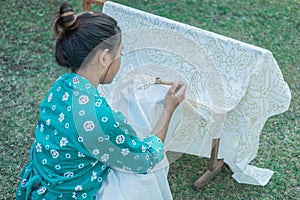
<point x="233" y="87"/>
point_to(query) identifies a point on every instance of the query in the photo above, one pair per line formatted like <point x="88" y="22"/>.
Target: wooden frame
<point x="87" y="4"/>
<point x="214" y="168"/>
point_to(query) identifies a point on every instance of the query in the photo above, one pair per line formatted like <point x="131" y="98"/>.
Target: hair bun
<point x="67" y="18"/>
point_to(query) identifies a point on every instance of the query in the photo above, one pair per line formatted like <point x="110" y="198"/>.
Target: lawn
<point x="28" y="68"/>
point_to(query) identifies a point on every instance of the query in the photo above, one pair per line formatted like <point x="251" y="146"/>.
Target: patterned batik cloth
<point x="233" y="87"/>
<point x="79" y="138"/>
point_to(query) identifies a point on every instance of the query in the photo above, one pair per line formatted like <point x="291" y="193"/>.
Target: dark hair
<point x="78" y="36"/>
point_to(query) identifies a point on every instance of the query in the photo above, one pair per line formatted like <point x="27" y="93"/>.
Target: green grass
<point x="28" y="68"/>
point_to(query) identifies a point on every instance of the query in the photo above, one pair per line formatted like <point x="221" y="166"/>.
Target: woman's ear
<point x="104" y="58"/>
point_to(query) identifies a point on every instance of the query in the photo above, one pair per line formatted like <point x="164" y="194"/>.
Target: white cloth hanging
<point x="121" y="185"/>
<point x="233" y="87"/>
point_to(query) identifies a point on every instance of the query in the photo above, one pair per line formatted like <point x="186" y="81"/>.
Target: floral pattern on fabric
<point x="78" y="139"/>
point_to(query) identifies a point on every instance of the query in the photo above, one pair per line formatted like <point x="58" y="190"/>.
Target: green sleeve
<point x="111" y="140"/>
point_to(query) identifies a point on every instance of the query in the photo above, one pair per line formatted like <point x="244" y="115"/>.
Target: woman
<point x="79" y="138"/>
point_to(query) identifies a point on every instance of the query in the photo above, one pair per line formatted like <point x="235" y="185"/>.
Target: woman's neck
<point x="91" y="74"/>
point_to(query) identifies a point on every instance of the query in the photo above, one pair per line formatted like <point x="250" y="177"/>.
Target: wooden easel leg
<point x="86" y="5"/>
<point x="215" y="167"/>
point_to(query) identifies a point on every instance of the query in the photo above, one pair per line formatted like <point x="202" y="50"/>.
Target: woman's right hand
<point x="175" y="96"/>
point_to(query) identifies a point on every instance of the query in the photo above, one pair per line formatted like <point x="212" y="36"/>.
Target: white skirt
<point x="120" y="185"/>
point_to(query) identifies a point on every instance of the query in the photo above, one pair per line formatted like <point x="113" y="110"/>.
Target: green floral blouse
<point x="78" y="139"/>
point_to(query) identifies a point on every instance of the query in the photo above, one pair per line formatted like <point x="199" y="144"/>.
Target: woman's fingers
<point x="173" y="87"/>
<point x="180" y="93"/>
<point x="178" y="89"/>
<point x="175" y="96"/>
